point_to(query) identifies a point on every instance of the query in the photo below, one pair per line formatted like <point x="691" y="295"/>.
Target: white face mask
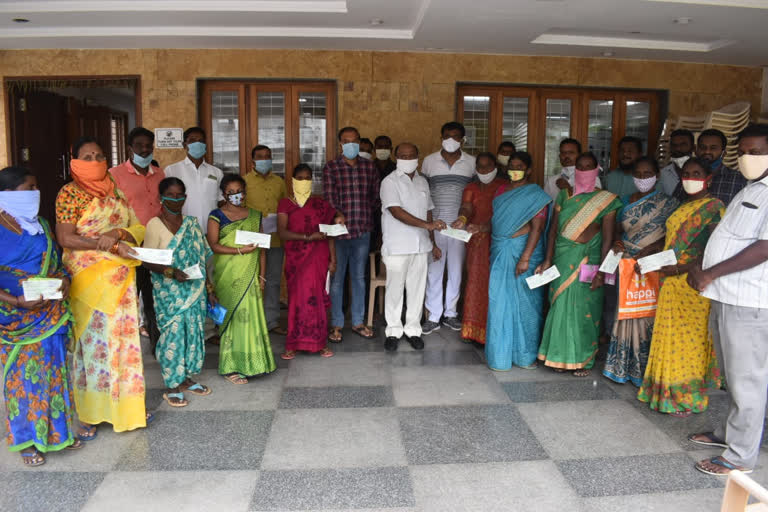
<point x="503" y="159"/>
<point x="569" y="172"/>
<point x="407" y="166"/>
<point x="644" y="185"/>
<point x="450" y="145"/>
<point x="366" y="155"/>
<point x="487" y="178"/>
<point x="680" y="161"/>
<point x="383" y="154"/>
<point x="693" y="187"/>
<point x="753" y="166"/>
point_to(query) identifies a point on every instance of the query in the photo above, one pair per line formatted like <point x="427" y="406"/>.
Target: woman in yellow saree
<point x="580" y="236"/>
<point x="682" y="363"/>
<point x="97" y="228"/>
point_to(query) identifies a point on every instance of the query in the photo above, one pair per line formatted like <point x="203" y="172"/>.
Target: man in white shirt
<point x="201" y="178"/>
<point x="448" y="171"/>
<point x="407" y="225"/>
<point x="734" y="275"/>
<point x="570" y="149"/>
<point x="681" y="145"/>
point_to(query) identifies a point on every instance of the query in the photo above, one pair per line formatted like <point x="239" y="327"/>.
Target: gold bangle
<point x="463" y="219"/>
<point x="238" y="251"/>
<point x="168" y="272"/>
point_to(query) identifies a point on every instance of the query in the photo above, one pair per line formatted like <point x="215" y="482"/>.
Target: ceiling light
<point x="607" y="54"/>
<point x="20" y="20"/>
<point x="627" y="42"/>
<point x="753" y="4"/>
<point x="683" y="20"/>
<point x="376" y="21"/>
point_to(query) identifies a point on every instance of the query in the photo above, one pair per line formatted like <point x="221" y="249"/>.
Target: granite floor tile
<point x="532" y="485"/>
<point x="418" y="358"/>
<point x="597" y="428"/>
<point x="204" y="440"/>
<point x="540" y="374"/>
<point x="699" y="500"/>
<point x="450" y="385"/>
<point x="337" y="397"/>
<point x="558" y="391"/>
<point x="46" y="491"/>
<point x="343" y="369"/>
<point x="641" y="474"/>
<point x="473" y="434"/>
<point x="174" y="490"/>
<point x="446" y="339"/>
<point x="364" y="488"/>
<point x="261" y="393"/>
<point x="334" y="438"/>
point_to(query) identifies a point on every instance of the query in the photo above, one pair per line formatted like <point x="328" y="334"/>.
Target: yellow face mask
<point x="302" y="189"/>
<point x="515" y="175"/>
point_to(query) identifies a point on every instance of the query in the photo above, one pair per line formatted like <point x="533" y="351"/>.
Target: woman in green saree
<point x="580" y="236"/>
<point x="238" y="277"/>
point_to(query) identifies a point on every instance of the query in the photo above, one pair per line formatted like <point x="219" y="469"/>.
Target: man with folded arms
<point x="734" y="275"/>
<point x="408" y="230"/>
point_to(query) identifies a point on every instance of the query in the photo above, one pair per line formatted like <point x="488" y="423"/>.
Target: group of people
<point x="481" y="216"/>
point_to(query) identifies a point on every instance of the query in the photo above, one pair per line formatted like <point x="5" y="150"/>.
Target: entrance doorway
<point x="46" y="116"/>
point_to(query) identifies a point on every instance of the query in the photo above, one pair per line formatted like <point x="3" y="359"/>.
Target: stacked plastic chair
<point x="730" y="119"/>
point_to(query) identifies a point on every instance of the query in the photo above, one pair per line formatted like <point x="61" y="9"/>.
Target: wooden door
<point x="39" y="142"/>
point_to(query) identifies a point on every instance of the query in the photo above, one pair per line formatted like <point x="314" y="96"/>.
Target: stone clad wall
<point x="405" y="95"/>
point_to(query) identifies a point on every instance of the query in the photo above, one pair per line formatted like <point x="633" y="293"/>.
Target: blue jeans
<point x="352" y="252"/>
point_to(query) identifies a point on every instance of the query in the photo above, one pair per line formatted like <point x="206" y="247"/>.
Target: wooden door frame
<point x="10" y="108"/>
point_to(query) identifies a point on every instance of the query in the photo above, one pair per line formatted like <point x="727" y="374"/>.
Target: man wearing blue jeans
<point x="351" y="185"/>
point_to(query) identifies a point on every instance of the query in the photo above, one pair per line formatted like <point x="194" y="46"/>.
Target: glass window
<point x="271" y="122"/>
<point x="225" y="132"/>
<point x="638" y="118"/>
<point x="601" y="131"/>
<point x="476" y="121"/>
<point x="558" y="127"/>
<point x="312" y="134"/>
<point x="515" y="122"/>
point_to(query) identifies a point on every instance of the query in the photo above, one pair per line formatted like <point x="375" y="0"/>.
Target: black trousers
<point x="144" y="285"/>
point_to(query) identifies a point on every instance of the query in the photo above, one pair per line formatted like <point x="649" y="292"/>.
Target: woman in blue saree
<point x="34" y="333"/>
<point x="515" y="312"/>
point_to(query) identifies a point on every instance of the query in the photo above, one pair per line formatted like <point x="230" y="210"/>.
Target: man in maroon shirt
<point x="351" y="185"/>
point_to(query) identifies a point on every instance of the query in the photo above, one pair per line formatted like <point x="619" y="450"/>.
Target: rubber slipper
<point x="90" y="429"/>
<point x="179" y="396"/>
<point x="77" y="445"/>
<point x="714" y="441"/>
<point x="719" y="461"/>
<point x="33" y="464"/>
<point x="199" y="389"/>
<point x="332" y="337"/>
<point x="359" y="331"/>
<point x="326" y="353"/>
<point x="287" y="356"/>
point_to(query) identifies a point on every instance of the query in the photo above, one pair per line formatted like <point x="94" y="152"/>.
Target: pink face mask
<point x="584" y="181"/>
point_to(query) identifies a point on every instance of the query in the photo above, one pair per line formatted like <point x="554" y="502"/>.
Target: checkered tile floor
<point x="432" y="430"/>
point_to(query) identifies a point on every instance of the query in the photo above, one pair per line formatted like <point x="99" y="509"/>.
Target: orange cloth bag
<point x="638" y="294"/>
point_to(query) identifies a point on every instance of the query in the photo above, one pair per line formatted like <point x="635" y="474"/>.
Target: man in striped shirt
<point x="735" y="278"/>
<point x="448" y="171"/>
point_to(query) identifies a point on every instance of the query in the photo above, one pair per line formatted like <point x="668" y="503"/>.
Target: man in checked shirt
<point x="351" y="185"/>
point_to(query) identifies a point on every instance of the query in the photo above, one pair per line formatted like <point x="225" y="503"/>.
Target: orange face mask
<point x="91" y="176"/>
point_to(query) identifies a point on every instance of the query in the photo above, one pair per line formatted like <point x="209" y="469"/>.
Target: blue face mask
<point x="236" y="199"/>
<point x="196" y="149"/>
<point x="716" y="163"/>
<point x="262" y="166"/>
<point x="350" y="150"/>
<point x="142" y="161"/>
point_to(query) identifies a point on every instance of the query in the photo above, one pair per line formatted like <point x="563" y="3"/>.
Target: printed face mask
<point x="515" y="175"/>
<point x="645" y="184"/>
<point x="236" y="199"/>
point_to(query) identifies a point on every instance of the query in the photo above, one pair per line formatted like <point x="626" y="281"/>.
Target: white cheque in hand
<point x="458" y="234"/>
<point x="545" y="277"/>
<point x="611" y="262"/>
<point x="656" y="261"/>
<point x="334" y="229"/>
<point x="252" y="238"/>
<point x="156" y="256"/>
<point x="48" y="289"/>
<point x="194" y="272"/>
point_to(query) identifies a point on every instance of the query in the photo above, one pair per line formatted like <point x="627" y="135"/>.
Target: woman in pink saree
<point x="309" y="257"/>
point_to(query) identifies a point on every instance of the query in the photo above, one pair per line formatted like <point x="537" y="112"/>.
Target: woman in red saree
<point x="309" y="257"/>
<point x="475" y="215"/>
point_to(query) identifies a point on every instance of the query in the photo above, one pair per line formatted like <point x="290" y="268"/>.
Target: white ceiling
<point x="634" y="29"/>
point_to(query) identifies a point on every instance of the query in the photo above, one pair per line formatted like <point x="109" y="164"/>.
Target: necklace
<point x="168" y="224"/>
<point x="9" y="223"/>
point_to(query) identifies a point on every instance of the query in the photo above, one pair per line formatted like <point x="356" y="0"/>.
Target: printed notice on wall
<point x="169" y="138"/>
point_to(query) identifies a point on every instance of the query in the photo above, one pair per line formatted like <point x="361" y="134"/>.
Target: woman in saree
<point x="682" y="363"/>
<point x="580" y="236"/>
<point x="34" y="333"/>
<point x="238" y="276"/>
<point x="475" y="216"/>
<point x="180" y="298"/>
<point x="309" y="257"/>
<point x="96" y="227"/>
<point x="640" y="232"/>
<point x="515" y="312"/>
